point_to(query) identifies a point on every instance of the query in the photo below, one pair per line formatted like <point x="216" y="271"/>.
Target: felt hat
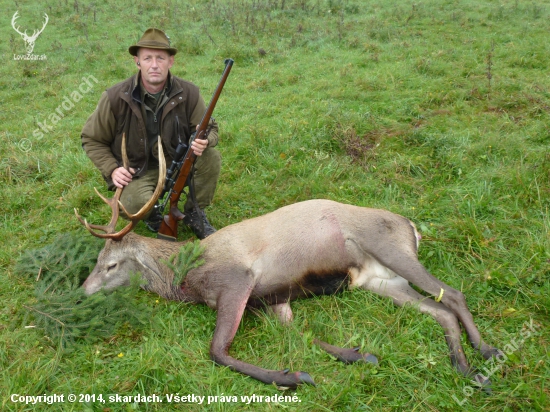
<point x="153" y="39"/>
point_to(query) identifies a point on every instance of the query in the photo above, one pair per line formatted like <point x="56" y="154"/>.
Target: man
<point x="151" y="103"/>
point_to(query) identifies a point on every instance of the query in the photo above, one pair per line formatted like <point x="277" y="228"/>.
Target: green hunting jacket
<point x="119" y="112"/>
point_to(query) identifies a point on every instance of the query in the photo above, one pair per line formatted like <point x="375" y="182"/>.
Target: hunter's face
<point x="154" y="65"/>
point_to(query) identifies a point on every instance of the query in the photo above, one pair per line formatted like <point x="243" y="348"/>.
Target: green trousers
<point x="205" y="178"/>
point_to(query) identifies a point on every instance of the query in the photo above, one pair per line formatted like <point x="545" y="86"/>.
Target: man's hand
<point x="199" y="146"/>
<point x="121" y="177"/>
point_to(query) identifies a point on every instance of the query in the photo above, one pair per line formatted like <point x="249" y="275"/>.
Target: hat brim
<point x="133" y="50"/>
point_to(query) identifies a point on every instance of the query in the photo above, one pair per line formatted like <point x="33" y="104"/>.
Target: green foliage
<point x="70" y="316"/>
<point x="63" y="264"/>
<point x="187" y="258"/>
<point x="61" y="310"/>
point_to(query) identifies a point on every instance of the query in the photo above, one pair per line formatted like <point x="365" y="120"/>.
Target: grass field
<point x="436" y="110"/>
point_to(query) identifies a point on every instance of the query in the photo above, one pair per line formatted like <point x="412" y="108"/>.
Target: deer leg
<point x="346" y="355"/>
<point x="453" y="299"/>
<point x="230" y="311"/>
<point x="401" y="293"/>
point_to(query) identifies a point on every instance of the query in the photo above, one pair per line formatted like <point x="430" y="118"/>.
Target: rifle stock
<point x="169" y="225"/>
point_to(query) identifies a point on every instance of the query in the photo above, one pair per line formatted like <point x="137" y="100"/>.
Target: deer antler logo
<point x="29" y="40"/>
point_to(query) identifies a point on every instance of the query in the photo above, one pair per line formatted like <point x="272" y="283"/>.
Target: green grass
<point x="436" y="110"/>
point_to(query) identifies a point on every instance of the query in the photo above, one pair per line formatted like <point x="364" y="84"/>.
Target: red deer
<point x="304" y="249"/>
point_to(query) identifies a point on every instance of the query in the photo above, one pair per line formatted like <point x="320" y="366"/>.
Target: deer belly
<point x="272" y="291"/>
<point x="373" y="275"/>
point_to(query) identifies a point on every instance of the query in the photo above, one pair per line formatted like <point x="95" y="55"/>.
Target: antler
<point x="36" y="33"/>
<point x="114" y="202"/>
<point x="15" y="17"/>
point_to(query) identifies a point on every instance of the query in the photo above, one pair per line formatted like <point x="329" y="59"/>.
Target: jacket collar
<point x="136" y="86"/>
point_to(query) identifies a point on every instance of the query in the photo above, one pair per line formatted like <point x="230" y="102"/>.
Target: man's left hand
<point x="199" y="146"/>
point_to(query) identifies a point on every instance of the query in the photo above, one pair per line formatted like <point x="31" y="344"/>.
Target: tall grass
<point x="435" y="110"/>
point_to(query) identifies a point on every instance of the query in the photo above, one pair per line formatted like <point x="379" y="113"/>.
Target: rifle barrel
<point x="169" y="225"/>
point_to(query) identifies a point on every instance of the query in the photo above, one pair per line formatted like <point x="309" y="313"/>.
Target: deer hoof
<point x="353" y="355"/>
<point x="491" y="353"/>
<point x="484" y="383"/>
<point x="306" y="378"/>
<point x="367" y="357"/>
<point x="370" y="358"/>
<point x="292" y="380"/>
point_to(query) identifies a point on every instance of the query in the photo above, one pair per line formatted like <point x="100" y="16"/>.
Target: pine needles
<point x="65" y="313"/>
<point x="69" y="258"/>
<point x="62" y="310"/>
<point x="186" y="259"/>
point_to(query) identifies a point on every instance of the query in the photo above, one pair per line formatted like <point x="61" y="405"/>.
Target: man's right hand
<point x="121" y="177"/>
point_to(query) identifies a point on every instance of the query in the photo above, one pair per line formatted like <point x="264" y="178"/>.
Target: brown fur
<point x="313" y="247"/>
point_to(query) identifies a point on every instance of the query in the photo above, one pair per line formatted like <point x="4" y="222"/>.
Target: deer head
<point x="29" y="40"/>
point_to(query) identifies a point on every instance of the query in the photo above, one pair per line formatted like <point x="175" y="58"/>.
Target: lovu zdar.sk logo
<point x="30" y="40"/>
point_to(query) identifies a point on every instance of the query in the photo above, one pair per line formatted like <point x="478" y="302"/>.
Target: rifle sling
<point x="193" y="195"/>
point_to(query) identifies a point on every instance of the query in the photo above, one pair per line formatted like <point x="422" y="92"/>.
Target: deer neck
<point x="178" y="293"/>
<point x="160" y="280"/>
<point x="149" y="255"/>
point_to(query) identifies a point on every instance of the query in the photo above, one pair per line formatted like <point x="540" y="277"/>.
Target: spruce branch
<point x="61" y="309"/>
<point x="186" y="259"/>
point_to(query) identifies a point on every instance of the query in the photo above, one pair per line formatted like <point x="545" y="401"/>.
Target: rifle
<point x="178" y="173"/>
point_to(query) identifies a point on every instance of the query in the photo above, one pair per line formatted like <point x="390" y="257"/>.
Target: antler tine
<point x="113" y="203"/>
<point x="15" y="17"/>
<point x="46" y="20"/>
<point x="110" y="227"/>
<point x="125" y="161"/>
<point x="158" y="190"/>
<point x="114" y="236"/>
<point x="37" y="32"/>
